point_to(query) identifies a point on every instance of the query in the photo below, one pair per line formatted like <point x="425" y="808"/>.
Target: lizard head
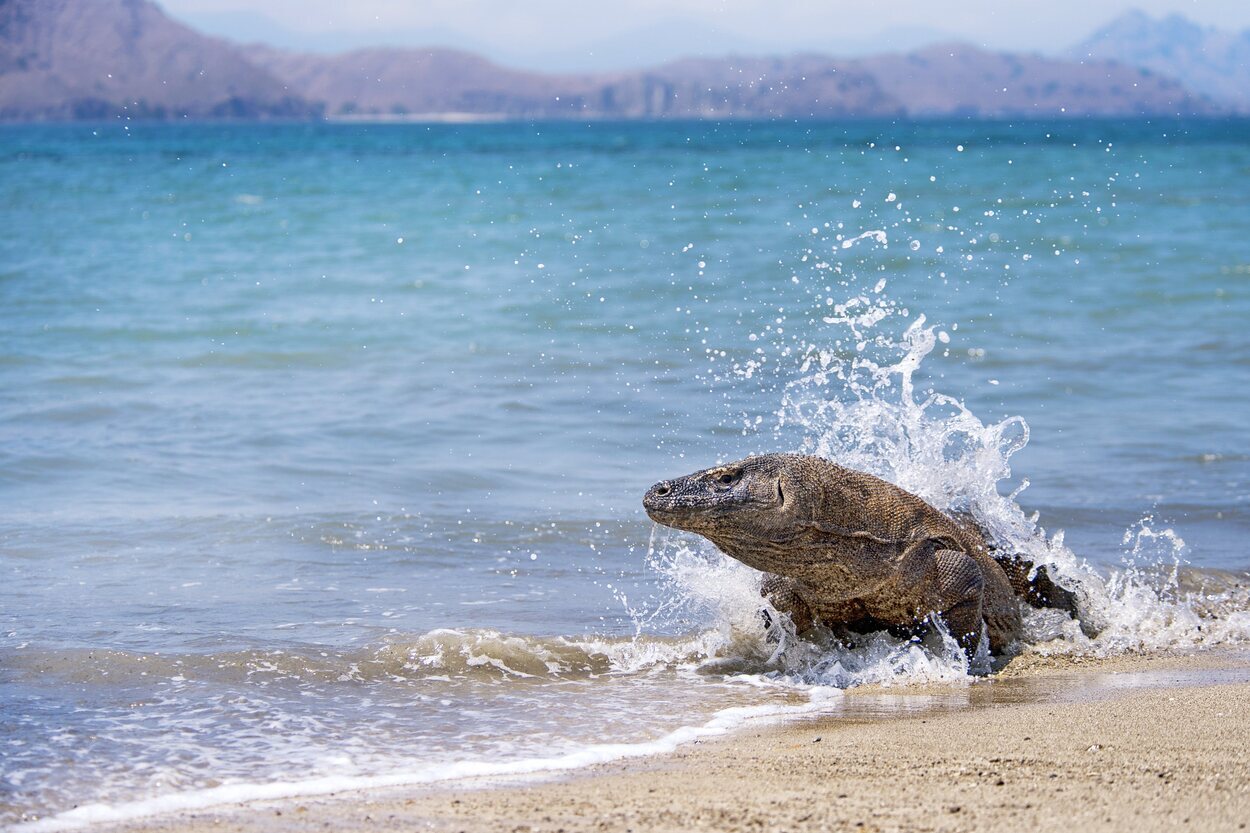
<point x="749" y="498"/>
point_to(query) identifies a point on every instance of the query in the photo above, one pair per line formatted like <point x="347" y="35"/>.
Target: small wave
<point x="488" y="654"/>
<point x="721" y="722"/>
<point x="1155" y="602"/>
<point x="480" y="655"/>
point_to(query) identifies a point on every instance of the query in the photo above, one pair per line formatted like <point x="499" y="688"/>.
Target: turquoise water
<point x="322" y="446"/>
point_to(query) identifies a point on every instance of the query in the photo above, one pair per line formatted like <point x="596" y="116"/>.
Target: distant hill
<point x="1205" y="60"/>
<point x="798" y="87"/>
<point x="954" y="79"/>
<point x="70" y="59"/>
<point x="386" y="81"/>
<point x="658" y="41"/>
<point x="961" y="79"/>
<point x="441" y="82"/>
<point x="66" y="59"/>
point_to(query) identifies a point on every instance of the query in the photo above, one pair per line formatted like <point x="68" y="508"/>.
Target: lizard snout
<point x="654" y="498"/>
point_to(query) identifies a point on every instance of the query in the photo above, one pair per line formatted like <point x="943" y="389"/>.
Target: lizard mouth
<point x="671" y="516"/>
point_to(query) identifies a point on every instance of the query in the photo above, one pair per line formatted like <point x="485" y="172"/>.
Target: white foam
<point x="934" y="446"/>
<point x="722" y="722"/>
<point x="860" y="407"/>
<point x="723" y="597"/>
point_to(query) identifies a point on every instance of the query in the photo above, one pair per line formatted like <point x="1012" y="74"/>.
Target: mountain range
<point x="76" y="59"/>
<point x="651" y="43"/>
<point x="1205" y="60"/>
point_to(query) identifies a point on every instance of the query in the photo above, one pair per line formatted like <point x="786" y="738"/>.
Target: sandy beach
<point x="1131" y="743"/>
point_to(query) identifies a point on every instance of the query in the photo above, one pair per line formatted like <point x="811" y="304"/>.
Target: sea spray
<point x="855" y="397"/>
<point x="744" y="637"/>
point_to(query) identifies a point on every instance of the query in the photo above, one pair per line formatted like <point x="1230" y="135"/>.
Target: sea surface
<point x="322" y="446"/>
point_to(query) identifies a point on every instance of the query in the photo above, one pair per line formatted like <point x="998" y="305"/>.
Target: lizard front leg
<point x="783" y="594"/>
<point x="933" y="580"/>
<point x="959" y="584"/>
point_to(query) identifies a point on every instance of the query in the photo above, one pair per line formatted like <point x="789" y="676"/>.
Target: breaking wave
<point x="855" y="399"/>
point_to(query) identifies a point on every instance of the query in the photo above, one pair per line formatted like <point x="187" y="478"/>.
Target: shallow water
<point x="321" y="447"/>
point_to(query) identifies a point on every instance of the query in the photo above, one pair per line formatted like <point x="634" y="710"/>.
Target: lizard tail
<point x="1035" y="586"/>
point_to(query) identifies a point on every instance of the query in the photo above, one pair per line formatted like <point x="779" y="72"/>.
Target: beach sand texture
<point x="1130" y="743"/>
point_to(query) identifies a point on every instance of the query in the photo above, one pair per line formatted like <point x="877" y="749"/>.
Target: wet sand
<point x="1135" y="743"/>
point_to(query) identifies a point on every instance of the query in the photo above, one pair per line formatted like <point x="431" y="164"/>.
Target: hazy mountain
<point x="95" y="58"/>
<point x="99" y="58"/>
<point x="800" y="86"/>
<point x="962" y="79"/>
<point x="652" y="44"/>
<point x="1205" y="60"/>
<point x="441" y="81"/>
<point x="940" y="80"/>
<point x="420" y="81"/>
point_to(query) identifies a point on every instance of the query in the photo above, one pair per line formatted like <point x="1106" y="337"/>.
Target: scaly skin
<point x="847" y="548"/>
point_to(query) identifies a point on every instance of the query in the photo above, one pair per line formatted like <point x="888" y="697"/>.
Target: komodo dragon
<point x="847" y="548"/>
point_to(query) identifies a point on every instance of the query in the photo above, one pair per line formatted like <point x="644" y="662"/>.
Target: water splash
<point x="721" y="598"/>
<point x="856" y="397"/>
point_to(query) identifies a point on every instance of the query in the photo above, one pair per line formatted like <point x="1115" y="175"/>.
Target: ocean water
<point x="322" y="446"/>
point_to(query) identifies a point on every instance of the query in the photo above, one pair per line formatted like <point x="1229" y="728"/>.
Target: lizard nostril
<point x="662" y="490"/>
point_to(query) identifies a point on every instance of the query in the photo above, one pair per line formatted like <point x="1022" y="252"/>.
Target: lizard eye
<point x="729" y="478"/>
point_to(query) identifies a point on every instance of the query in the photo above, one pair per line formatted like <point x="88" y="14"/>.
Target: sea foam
<point x="722" y="722"/>
<point x="853" y="396"/>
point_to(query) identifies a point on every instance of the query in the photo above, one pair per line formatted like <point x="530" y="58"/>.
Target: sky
<point x="559" y="35"/>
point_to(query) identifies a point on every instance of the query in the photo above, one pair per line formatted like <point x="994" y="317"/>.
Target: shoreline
<point x="1134" y="743"/>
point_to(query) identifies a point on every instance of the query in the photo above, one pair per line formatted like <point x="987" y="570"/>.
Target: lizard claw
<point x="772" y="628"/>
